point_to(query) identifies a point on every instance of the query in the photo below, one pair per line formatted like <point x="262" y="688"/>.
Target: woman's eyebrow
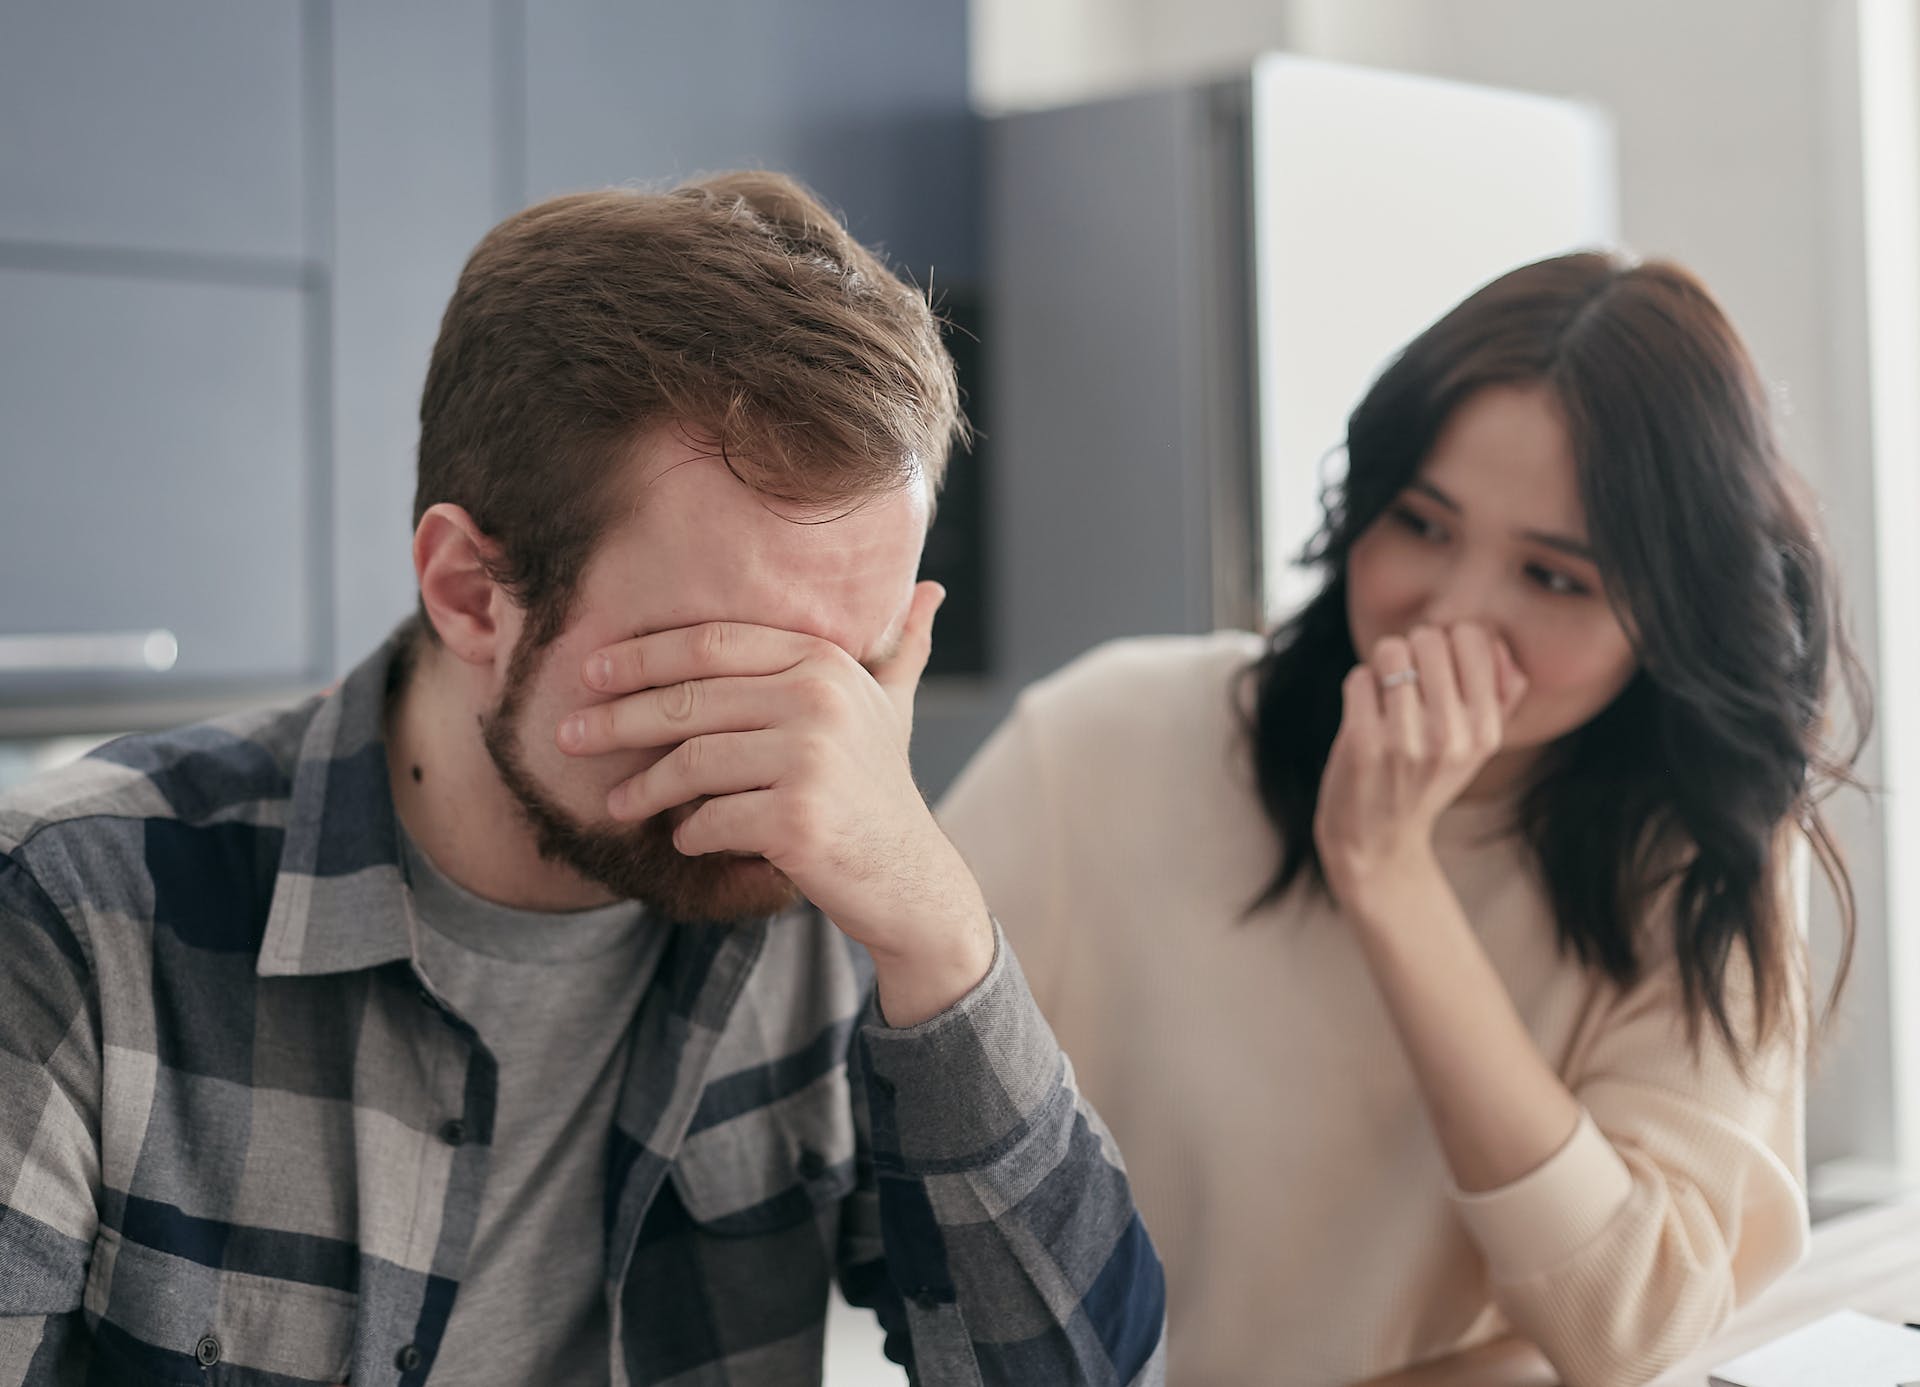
<point x="1573" y="548"/>
<point x="1566" y="544"/>
<point x="1434" y="494"/>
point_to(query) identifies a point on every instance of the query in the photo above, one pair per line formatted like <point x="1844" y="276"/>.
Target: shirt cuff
<point x="960" y="1088"/>
<point x="1551" y="1213"/>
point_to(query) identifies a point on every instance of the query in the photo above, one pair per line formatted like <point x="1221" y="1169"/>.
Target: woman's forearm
<point x="1498" y="1109"/>
<point x="1508" y="1362"/>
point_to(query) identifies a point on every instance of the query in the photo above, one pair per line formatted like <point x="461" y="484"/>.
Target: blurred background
<point x="1174" y="239"/>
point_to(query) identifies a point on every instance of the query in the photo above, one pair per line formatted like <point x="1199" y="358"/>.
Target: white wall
<point x="1889" y="38"/>
<point x="1739" y="148"/>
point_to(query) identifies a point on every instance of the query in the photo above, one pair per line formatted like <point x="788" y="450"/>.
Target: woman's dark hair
<point x="1692" y="780"/>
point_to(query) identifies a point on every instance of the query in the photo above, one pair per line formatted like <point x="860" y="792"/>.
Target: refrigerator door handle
<point x="155" y="651"/>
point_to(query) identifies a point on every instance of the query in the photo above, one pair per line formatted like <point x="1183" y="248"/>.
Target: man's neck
<point x="451" y="800"/>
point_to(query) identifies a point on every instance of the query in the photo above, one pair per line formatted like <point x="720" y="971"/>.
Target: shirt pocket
<point x="160" y="1320"/>
<point x="767" y="1167"/>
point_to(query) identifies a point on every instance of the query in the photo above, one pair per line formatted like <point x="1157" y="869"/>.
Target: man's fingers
<point x="665" y="717"/>
<point x="712" y="649"/>
<point x="749" y="822"/>
<point x="721" y="764"/>
<point x="900" y="672"/>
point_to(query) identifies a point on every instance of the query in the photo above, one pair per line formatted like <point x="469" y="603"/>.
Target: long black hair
<point x="1693" y="778"/>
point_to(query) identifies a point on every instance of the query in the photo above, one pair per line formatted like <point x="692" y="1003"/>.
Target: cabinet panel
<point x="174" y="127"/>
<point x="416" y="182"/>
<point x="864" y="99"/>
<point x="155" y="476"/>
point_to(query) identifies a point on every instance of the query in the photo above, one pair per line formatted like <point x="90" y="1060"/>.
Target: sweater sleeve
<point x="1676" y="1199"/>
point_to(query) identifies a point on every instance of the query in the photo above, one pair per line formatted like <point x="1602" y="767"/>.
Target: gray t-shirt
<point x="554" y="998"/>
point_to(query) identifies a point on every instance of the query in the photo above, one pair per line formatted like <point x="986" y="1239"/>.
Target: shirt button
<point x="927" y="1301"/>
<point x="207" y="1351"/>
<point x="408" y="1359"/>
<point x="454" y="1132"/>
<point x="812" y="1164"/>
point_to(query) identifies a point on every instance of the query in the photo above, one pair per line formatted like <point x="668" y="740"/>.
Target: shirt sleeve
<point x="1010" y="1235"/>
<point x="1677" y="1198"/>
<point x="49" y="1131"/>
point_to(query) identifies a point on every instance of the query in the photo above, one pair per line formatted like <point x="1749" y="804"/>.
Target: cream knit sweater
<point x="1275" y="1138"/>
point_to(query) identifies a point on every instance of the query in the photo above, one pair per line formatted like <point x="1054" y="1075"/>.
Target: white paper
<point x="1846" y="1349"/>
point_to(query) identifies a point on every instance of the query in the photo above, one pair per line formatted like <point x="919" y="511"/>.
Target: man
<point x="576" y="991"/>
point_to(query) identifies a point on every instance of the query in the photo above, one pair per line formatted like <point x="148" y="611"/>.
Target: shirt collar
<point x="339" y="899"/>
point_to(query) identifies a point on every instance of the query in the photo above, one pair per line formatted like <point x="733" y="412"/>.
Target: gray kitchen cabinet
<point x="228" y="229"/>
<point x="177" y="128"/>
<point x="163" y="313"/>
<point x="157" y="478"/>
<point x="422" y="167"/>
<point x="865" y="100"/>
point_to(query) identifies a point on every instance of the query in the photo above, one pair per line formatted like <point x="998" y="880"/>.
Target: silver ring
<point x="1398" y="678"/>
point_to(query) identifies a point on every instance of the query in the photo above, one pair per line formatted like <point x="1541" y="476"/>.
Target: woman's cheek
<point x="1574" y="669"/>
<point x="1387" y="587"/>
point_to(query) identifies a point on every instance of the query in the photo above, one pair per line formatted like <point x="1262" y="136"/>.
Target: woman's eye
<point x="1558" y="583"/>
<point x="1417" y="524"/>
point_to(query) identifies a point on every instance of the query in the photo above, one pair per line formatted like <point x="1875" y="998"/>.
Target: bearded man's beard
<point x="634" y="861"/>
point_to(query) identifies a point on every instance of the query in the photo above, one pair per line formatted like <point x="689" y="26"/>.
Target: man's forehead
<point x="672" y="451"/>
<point x="866" y="620"/>
<point x="870" y="641"/>
<point x="853" y="591"/>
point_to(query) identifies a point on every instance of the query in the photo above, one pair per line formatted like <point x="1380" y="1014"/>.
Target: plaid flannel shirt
<point x="243" y="1145"/>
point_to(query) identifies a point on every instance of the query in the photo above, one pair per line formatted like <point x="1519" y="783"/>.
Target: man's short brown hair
<point x="736" y="306"/>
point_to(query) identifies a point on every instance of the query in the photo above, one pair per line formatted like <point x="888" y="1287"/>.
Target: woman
<point x="1435" y="959"/>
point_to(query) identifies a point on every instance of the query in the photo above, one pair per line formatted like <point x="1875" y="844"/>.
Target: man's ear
<point x="451" y="558"/>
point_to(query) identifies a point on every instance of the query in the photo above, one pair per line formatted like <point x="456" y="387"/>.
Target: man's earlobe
<point x="451" y="557"/>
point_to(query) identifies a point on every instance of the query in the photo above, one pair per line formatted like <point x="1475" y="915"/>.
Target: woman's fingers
<point x="1402" y="705"/>
<point x="1361" y="713"/>
<point x="1433" y="656"/>
<point x="1512" y="679"/>
<point x="1476" y="658"/>
<point x="1446" y="693"/>
<point x="1440" y="691"/>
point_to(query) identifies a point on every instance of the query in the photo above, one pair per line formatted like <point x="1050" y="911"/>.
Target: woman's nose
<point x="1466" y="593"/>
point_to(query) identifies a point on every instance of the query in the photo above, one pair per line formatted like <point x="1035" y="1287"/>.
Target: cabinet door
<point x="866" y="100"/>
<point x="419" y="175"/>
<point x="156" y="476"/>
<point x="160" y="127"/>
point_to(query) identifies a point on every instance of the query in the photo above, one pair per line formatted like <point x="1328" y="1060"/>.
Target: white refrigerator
<point x="1187" y="292"/>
